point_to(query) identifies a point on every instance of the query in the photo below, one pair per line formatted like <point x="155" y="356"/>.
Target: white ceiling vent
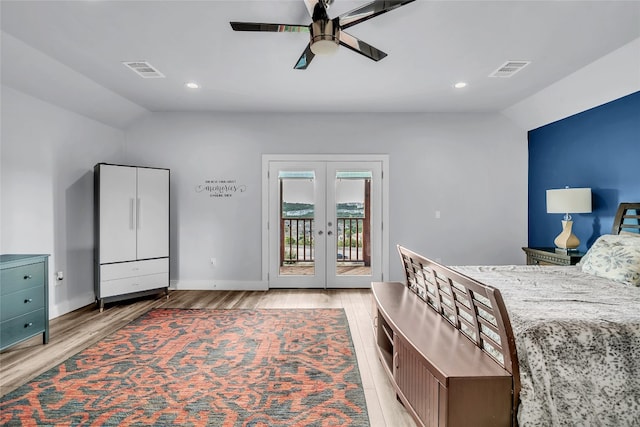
<point x="143" y="69"/>
<point x="509" y="68"/>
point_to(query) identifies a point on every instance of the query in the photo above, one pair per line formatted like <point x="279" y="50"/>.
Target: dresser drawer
<point x="21" y="327"/>
<point x="551" y="256"/>
<point x="21" y="302"/>
<point x="24" y="276"/>
<point x="129" y="285"/>
<point x="538" y="261"/>
<point x="133" y="269"/>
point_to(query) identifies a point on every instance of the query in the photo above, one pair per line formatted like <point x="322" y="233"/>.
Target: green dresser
<point x="24" y="302"/>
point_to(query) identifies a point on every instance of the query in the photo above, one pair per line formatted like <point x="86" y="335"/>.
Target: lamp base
<point x="567" y="240"/>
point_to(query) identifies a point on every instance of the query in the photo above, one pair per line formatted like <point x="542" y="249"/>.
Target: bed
<point x="568" y="336"/>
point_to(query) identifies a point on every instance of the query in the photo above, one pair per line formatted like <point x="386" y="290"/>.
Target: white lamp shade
<point x="569" y="200"/>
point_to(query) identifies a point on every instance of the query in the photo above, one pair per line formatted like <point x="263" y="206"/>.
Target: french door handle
<point x="329" y="233"/>
<point x="320" y="232"/>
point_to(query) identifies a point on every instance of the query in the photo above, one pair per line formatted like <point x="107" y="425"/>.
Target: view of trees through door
<point x="324" y="223"/>
<point x="352" y="223"/>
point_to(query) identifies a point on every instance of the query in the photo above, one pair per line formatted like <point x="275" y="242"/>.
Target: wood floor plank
<point x="75" y="331"/>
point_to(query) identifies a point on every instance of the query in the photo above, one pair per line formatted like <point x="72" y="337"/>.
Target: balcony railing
<point x="297" y="234"/>
<point x="296" y="240"/>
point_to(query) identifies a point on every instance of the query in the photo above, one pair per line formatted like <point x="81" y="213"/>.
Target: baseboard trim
<point x="218" y="285"/>
<point x="77" y="302"/>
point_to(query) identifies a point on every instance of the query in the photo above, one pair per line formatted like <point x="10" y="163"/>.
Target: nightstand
<point x="552" y="256"/>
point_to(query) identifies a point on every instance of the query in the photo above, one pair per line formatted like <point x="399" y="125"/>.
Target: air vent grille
<point x="509" y="68"/>
<point x="143" y="69"/>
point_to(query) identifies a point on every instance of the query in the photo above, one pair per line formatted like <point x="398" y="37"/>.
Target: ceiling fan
<point x="327" y="34"/>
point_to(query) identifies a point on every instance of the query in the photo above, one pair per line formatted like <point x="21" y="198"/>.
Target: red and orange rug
<point x="204" y="367"/>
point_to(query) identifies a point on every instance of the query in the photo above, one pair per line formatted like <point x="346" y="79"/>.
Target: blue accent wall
<point x="598" y="148"/>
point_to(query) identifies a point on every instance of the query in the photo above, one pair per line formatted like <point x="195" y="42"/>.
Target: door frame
<point x="382" y="158"/>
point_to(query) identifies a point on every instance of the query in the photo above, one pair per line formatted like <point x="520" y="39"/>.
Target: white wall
<point x="470" y="167"/>
<point x="47" y="162"/>
<point x="22" y="69"/>
<point x="611" y="77"/>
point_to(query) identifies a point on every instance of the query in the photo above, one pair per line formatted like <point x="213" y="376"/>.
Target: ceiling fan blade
<point x="274" y="28"/>
<point x="347" y="40"/>
<point x="317" y="9"/>
<point x="369" y="10"/>
<point x="305" y="59"/>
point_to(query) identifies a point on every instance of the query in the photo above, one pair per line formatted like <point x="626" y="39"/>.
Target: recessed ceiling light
<point x="192" y="85"/>
<point x="460" y="85"/>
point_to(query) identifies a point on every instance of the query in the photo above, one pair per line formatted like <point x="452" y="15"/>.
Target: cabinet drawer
<point x="21" y="302"/>
<point x="21" y="327"/>
<point x="537" y="261"/>
<point x="130" y="285"/>
<point x="133" y="269"/>
<point x="25" y="276"/>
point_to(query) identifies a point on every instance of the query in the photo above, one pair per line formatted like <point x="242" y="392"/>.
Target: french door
<point x="325" y="223"/>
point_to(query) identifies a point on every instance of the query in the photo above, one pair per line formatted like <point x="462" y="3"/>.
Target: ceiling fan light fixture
<point x="324" y="47"/>
<point x="325" y="37"/>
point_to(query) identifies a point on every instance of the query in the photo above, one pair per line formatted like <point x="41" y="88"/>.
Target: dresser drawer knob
<point x="27" y="277"/>
<point x="28" y="300"/>
<point x="28" y="325"/>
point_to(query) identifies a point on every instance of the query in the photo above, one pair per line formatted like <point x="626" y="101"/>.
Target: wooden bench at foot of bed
<point x="433" y="335"/>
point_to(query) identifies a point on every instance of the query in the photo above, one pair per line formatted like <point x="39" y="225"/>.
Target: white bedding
<point x="578" y="343"/>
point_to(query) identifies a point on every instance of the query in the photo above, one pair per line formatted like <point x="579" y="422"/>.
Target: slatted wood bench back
<point x="476" y="310"/>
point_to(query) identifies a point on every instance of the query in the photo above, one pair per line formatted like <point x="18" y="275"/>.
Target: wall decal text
<point x="221" y="188"/>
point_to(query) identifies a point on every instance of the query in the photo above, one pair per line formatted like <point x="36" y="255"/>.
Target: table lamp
<point x="567" y="201"/>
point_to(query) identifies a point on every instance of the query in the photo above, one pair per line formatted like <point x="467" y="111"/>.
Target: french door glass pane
<point x="353" y="223"/>
<point x="297" y="222"/>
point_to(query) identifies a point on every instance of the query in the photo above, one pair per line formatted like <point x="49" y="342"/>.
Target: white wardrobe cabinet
<point x="132" y="231"/>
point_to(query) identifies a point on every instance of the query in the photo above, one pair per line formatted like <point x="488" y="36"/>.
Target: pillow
<point x="615" y="257"/>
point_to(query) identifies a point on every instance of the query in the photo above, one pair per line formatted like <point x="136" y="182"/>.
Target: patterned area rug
<point x="204" y="367"/>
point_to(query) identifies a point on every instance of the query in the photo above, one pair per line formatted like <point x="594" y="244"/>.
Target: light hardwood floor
<point x="79" y="329"/>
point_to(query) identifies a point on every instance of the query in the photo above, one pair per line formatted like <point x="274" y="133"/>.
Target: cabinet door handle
<point x="28" y="300"/>
<point x="27" y="277"/>
<point x="131" y="214"/>
<point x="28" y="325"/>
<point x="138" y="213"/>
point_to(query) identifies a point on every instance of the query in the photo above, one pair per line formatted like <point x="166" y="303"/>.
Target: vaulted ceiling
<point x="430" y="45"/>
